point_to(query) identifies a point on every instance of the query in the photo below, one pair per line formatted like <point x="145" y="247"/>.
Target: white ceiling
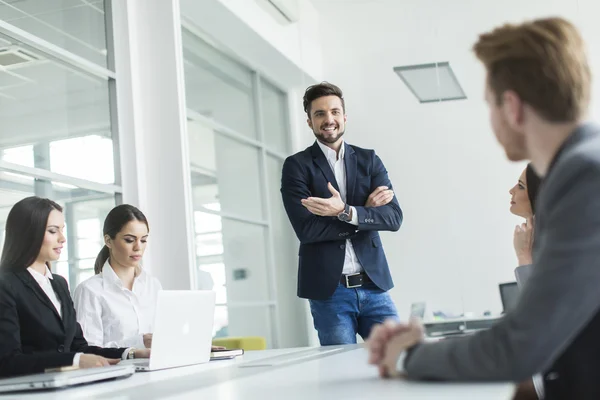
<point x="376" y="35"/>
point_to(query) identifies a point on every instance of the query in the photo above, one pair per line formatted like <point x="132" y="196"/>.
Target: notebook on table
<point x="225" y="354"/>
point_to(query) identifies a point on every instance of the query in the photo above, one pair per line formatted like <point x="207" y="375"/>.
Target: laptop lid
<point x="509" y="293"/>
<point x="183" y="326"/>
<point x="57" y="380"/>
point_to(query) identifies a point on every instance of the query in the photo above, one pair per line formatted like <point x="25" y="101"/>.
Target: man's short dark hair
<point x="321" y="90"/>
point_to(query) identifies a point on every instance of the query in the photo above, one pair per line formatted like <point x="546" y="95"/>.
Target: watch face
<point x="344" y="217"/>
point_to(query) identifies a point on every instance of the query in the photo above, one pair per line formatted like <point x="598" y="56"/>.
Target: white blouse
<point x="112" y="315"/>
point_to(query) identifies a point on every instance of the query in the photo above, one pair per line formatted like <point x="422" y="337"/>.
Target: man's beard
<point x="328" y="139"/>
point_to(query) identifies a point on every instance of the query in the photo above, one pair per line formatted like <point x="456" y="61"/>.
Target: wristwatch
<point x="344" y="216"/>
<point x="131" y="354"/>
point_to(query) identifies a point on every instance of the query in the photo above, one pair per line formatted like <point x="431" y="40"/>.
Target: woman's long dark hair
<point x="25" y="230"/>
<point x="116" y="219"/>
<point x="533" y="185"/>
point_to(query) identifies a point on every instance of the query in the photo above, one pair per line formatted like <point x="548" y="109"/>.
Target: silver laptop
<point x="183" y="326"/>
<point x="59" y="380"/>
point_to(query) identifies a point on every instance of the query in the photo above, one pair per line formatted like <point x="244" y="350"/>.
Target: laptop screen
<point x="509" y="292"/>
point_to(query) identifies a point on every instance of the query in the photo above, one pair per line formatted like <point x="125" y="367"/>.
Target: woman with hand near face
<point x="38" y="325"/>
<point x="522" y="204"/>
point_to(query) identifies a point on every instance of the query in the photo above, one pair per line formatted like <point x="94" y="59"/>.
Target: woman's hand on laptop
<point x="148" y="340"/>
<point x="93" y="361"/>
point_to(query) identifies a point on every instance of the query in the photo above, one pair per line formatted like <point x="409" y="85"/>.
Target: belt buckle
<point x="348" y="286"/>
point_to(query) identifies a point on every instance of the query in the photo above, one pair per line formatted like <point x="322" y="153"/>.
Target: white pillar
<point x="153" y="143"/>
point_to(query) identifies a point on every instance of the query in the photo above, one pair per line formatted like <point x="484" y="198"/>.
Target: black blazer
<point x="33" y="337"/>
<point x="323" y="239"/>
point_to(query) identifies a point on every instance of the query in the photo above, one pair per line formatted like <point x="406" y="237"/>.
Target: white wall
<point x="297" y="41"/>
<point x="450" y="175"/>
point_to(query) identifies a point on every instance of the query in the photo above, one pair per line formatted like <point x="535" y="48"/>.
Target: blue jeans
<point x="350" y="311"/>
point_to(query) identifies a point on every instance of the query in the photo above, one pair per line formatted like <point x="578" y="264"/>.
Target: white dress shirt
<point x="351" y="262"/>
<point x="112" y="315"/>
<point x="44" y="282"/>
<point x="538" y="384"/>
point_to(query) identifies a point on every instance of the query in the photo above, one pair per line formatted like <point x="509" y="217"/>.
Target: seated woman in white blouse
<point x="116" y="306"/>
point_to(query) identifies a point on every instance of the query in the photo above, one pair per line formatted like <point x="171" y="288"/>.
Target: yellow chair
<point x="241" y="342"/>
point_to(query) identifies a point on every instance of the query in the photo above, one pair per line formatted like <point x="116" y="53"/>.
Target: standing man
<point x="538" y="91"/>
<point x="338" y="197"/>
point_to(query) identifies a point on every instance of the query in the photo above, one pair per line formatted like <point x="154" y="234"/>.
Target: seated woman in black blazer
<point x="38" y="327"/>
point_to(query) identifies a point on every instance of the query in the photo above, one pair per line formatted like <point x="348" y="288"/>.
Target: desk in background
<point x="457" y="326"/>
<point x="321" y="373"/>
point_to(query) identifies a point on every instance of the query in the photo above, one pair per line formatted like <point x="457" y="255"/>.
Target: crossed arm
<point x="314" y="219"/>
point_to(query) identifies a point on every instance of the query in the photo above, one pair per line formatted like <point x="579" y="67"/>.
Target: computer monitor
<point x="509" y="293"/>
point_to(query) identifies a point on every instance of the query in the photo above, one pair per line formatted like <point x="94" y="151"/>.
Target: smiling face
<point x="129" y="244"/>
<point x="327" y="119"/>
<point x="54" y="238"/>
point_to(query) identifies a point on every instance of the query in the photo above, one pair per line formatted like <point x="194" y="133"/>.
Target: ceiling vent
<point x="15" y="57"/>
<point x="431" y="83"/>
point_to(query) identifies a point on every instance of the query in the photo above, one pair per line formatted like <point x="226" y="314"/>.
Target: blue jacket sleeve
<point x="384" y="218"/>
<point x="309" y="228"/>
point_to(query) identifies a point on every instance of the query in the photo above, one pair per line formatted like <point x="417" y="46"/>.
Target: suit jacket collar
<point x="349" y="162"/>
<point x="32" y="284"/>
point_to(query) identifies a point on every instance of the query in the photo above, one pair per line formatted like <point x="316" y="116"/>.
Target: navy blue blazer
<point x="323" y="239"/>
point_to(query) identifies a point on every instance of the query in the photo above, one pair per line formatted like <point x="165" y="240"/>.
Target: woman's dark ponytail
<point x="101" y="260"/>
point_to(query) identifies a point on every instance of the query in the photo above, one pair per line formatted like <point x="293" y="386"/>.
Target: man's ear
<point x="513" y="108"/>
<point x="309" y="122"/>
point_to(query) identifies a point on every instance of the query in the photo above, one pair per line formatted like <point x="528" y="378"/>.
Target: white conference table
<point x="334" y="372"/>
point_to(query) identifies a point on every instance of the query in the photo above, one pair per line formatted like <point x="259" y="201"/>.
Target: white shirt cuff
<point x="354" y="220"/>
<point x="538" y="384"/>
<point x="76" y="359"/>
<point x="400" y="362"/>
<point x="125" y="353"/>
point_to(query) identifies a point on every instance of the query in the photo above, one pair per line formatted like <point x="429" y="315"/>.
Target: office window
<point x="57" y="129"/>
<point x="55" y="117"/>
<point x="84" y="211"/>
<point x="217" y="87"/>
<point x="274" y="117"/>
<point x="238" y="138"/>
<point x="75" y="25"/>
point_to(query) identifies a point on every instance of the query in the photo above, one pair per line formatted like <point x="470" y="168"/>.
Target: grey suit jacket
<point x="562" y="295"/>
